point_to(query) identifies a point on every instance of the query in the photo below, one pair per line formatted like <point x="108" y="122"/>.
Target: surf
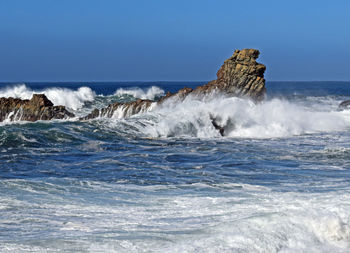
<point x="73" y="99"/>
<point x="242" y="118"/>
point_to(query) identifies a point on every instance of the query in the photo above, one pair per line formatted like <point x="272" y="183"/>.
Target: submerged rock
<point x="239" y="76"/>
<point x="344" y="105"/>
<point x="37" y="108"/>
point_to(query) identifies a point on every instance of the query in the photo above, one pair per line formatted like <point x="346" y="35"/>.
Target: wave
<point x="246" y="218"/>
<point x="73" y="99"/>
<point x="241" y="118"/>
<point x="150" y="93"/>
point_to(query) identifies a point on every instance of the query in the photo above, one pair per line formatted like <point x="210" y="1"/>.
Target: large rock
<point x="240" y="76"/>
<point x="37" y="108"/>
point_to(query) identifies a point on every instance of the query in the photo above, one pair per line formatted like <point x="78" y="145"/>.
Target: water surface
<point x="166" y="181"/>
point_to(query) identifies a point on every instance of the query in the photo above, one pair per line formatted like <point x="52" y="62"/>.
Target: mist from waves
<point x="243" y="118"/>
<point x="82" y="96"/>
<point x="151" y="93"/>
<point x="73" y="99"/>
<point x="166" y="181"/>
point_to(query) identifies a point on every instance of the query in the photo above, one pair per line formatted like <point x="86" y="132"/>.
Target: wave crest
<point x="242" y="118"/>
<point x="150" y="93"/>
<point x="73" y="99"/>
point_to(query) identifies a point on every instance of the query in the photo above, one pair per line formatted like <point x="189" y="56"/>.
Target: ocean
<point x="167" y="181"/>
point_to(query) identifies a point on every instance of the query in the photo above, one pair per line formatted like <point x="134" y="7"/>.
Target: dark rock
<point x="37" y="108"/>
<point x="121" y="110"/>
<point x="94" y="114"/>
<point x="344" y="105"/>
<point x="223" y="128"/>
<point x="217" y="126"/>
<point x="240" y="75"/>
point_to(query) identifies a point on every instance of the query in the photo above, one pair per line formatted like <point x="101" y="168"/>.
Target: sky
<point x="160" y="40"/>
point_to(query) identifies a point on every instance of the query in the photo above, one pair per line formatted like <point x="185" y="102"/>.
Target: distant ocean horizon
<point x="167" y="181"/>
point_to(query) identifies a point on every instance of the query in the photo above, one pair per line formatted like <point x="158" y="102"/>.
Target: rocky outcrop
<point x="37" y="108"/>
<point x="122" y="110"/>
<point x="240" y="76"/>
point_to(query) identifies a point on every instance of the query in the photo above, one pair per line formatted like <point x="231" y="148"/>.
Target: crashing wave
<point x="151" y="93"/>
<point x="240" y="76"/>
<point x="73" y="99"/>
<point x="241" y="118"/>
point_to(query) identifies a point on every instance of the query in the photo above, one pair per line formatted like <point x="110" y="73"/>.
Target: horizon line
<point x="154" y="81"/>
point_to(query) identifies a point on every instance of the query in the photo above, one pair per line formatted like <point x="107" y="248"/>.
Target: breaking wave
<point x="73" y="99"/>
<point x="242" y="118"/>
<point x="248" y="218"/>
<point x="150" y="93"/>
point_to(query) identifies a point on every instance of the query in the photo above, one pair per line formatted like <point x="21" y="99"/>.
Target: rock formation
<point x="37" y="108"/>
<point x="240" y="76"/>
<point x="122" y="110"/>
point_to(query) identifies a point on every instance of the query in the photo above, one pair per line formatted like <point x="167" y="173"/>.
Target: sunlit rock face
<point x="240" y="75"/>
<point x="39" y="107"/>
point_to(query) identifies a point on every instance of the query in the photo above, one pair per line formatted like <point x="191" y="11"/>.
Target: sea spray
<point x="109" y="185"/>
<point x="193" y="117"/>
<point x="149" y="93"/>
<point x="73" y="99"/>
<point x="242" y="118"/>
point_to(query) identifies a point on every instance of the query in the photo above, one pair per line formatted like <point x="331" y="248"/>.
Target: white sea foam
<point x="149" y="93"/>
<point x="243" y="118"/>
<point x="193" y="117"/>
<point x="73" y="99"/>
<point x="134" y="218"/>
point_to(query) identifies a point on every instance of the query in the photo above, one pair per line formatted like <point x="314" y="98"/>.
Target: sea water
<point x="167" y="181"/>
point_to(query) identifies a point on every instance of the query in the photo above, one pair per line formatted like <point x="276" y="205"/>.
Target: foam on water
<point x="193" y="118"/>
<point x="182" y="218"/>
<point x="149" y="93"/>
<point x="243" y="118"/>
<point x="96" y="186"/>
<point x="73" y="99"/>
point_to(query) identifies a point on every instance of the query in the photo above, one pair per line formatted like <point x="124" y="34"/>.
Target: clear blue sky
<point x="115" y="40"/>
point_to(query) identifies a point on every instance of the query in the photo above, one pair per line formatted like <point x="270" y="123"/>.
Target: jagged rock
<point x="179" y="96"/>
<point x="121" y="110"/>
<point x="240" y="76"/>
<point x="37" y="108"/>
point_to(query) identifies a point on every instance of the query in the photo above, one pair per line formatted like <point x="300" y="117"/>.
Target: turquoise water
<point x="166" y="181"/>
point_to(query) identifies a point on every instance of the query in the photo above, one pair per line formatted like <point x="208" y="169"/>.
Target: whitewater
<point x="167" y="181"/>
